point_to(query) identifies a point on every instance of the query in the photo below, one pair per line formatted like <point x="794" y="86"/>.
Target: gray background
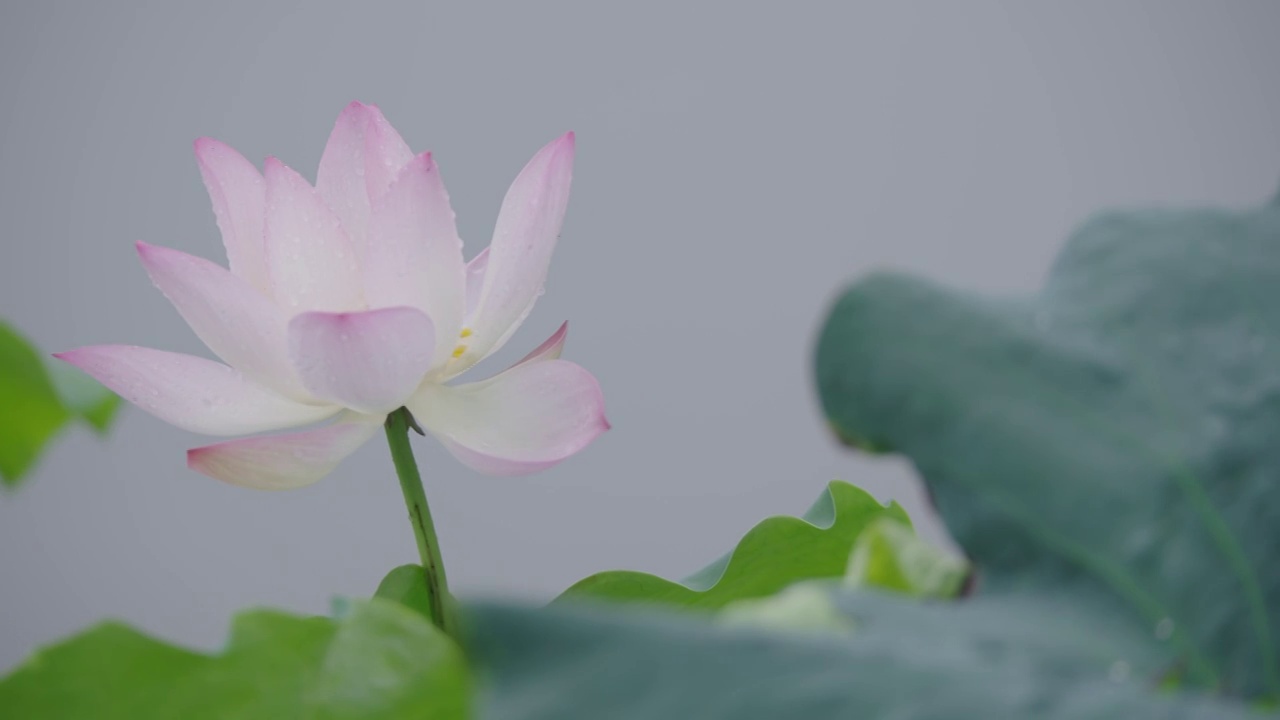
<point x="735" y="167"/>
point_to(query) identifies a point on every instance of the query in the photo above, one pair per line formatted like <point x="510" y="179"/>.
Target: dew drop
<point x="1164" y="629"/>
<point x="1119" y="671"/>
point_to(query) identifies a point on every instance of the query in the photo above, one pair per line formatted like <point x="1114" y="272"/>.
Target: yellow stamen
<point x="466" y="332"/>
<point x="458" y="351"/>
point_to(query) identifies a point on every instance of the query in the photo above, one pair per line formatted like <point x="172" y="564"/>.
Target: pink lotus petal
<point x="236" y="321"/>
<point x="475" y="279"/>
<point x="282" y="462"/>
<point x="414" y="256"/>
<point x="369" y="361"/>
<point x="385" y="154"/>
<point x="363" y="157"/>
<point x="310" y="259"/>
<point x="494" y="464"/>
<point x="238" y="193"/>
<point x="523" y="239"/>
<point x="190" y="392"/>
<point x="519" y="421"/>
<point x="550" y="349"/>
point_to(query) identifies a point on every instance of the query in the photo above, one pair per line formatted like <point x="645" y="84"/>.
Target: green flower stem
<point x="424" y="531"/>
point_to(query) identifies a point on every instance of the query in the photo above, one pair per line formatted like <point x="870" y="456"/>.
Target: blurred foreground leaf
<point x="380" y="661"/>
<point x="30" y="410"/>
<point x="808" y="606"/>
<point x="1112" y="442"/>
<point x="906" y="660"/>
<point x="36" y="399"/>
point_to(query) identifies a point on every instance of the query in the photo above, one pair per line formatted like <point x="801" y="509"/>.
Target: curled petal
<point x="238" y="194"/>
<point x="475" y="279"/>
<point x="526" y="232"/>
<point x="363" y="157"/>
<point x="236" y="321"/>
<point x="309" y="257"/>
<point x="369" y="361"/>
<point x="550" y="349"/>
<point x="520" y="421"/>
<point x="414" y="256"/>
<point x="190" y="392"/>
<point x="282" y="462"/>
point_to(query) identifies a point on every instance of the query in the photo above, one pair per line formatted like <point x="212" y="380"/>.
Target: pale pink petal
<point x="525" y="235"/>
<point x="522" y="420"/>
<point x="550" y="349"/>
<point x="193" y="393"/>
<point x="363" y="157"/>
<point x="385" y="154"/>
<point x="236" y="321"/>
<point x="475" y="279"/>
<point x="494" y="464"/>
<point x="414" y="256"/>
<point x="238" y="194"/>
<point x="282" y="462"/>
<point x="309" y="257"/>
<point x="369" y="361"/>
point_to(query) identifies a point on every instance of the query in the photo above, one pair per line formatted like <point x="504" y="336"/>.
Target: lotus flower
<point x="350" y="299"/>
